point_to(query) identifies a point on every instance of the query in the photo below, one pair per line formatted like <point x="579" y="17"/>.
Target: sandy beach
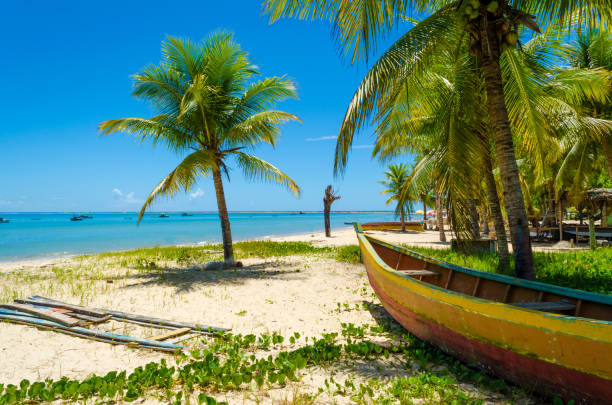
<point x="310" y="295"/>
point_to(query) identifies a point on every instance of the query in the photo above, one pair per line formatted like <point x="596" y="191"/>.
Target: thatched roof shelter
<point x="598" y="195"/>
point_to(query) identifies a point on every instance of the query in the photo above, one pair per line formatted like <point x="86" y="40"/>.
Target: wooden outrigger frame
<point x="49" y="314"/>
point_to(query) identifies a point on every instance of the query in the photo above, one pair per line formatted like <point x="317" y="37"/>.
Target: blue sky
<point x="66" y="67"/>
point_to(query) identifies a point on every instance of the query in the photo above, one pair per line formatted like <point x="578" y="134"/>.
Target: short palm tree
<point x="488" y="27"/>
<point x="397" y="176"/>
<point x="209" y="106"/>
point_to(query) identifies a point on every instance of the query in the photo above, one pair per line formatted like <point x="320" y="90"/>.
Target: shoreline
<point x="301" y="235"/>
<point x="340" y="237"/>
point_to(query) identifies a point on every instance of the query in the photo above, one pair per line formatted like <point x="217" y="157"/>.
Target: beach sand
<point x="309" y="295"/>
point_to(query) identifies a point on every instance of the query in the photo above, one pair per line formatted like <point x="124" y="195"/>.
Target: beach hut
<point x="597" y="199"/>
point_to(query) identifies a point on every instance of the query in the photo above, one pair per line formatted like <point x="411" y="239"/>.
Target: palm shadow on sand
<point x="190" y="279"/>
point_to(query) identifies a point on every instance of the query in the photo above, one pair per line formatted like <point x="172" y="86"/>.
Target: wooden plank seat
<point x="546" y="306"/>
<point x="417" y="273"/>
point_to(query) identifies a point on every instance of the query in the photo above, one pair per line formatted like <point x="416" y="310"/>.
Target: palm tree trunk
<point x="496" y="215"/>
<point x="439" y="216"/>
<point x="606" y="143"/>
<point x="485" y="221"/>
<point x="592" y="237"/>
<point x="228" y="250"/>
<point x="403" y="221"/>
<point x="504" y="147"/>
<point x="424" y="209"/>
<point x="474" y="218"/>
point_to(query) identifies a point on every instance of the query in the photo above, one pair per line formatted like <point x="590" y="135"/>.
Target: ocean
<point x="37" y="235"/>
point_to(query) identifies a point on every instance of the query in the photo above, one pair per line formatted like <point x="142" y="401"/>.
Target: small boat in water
<point x="76" y="218"/>
<point x="4" y="221"/>
<point x="164" y="215"/>
<point x="554" y="340"/>
<point x="186" y="214"/>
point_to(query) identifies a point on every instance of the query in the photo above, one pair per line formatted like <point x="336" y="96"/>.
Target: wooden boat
<point x="164" y="215"/>
<point x="393" y="226"/>
<point x="555" y="340"/>
<point x="76" y="218"/>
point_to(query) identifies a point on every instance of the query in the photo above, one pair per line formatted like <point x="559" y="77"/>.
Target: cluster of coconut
<point x="507" y="34"/>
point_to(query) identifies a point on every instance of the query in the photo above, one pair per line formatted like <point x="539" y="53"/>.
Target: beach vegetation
<point x="586" y="270"/>
<point x="488" y="31"/>
<point x="211" y="107"/>
<point x="238" y="362"/>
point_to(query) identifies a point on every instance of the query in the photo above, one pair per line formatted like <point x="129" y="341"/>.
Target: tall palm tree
<point x="396" y="178"/>
<point x="489" y="27"/>
<point x="209" y="105"/>
<point x="441" y="115"/>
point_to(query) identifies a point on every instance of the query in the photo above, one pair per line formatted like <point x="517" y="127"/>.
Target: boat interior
<point x="494" y="287"/>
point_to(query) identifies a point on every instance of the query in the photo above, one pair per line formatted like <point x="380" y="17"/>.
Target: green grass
<point x="588" y="270"/>
<point x="147" y="257"/>
<point x="585" y="269"/>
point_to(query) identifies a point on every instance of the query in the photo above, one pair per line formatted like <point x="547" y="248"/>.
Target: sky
<point x="66" y="66"/>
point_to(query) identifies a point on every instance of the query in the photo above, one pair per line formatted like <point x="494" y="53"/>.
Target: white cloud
<point x="125" y="198"/>
<point x="363" y="146"/>
<point x="196" y="194"/>
<point x="322" y="138"/>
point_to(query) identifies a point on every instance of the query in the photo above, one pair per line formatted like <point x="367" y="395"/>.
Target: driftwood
<point x="329" y="197"/>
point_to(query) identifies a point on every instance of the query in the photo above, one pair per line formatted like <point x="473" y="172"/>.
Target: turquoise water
<point x="42" y="235"/>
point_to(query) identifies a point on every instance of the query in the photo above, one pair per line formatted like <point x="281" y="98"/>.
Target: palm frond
<point x="198" y="164"/>
<point x="255" y="168"/>
<point x="406" y="57"/>
<point x="162" y="128"/>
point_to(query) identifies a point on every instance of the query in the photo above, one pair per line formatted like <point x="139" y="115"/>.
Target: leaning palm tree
<point x="395" y="182"/>
<point x="488" y="27"/>
<point x="210" y="106"/>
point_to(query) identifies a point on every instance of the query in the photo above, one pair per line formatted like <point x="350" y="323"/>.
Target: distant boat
<point x="164" y="215"/>
<point x="4" y="221"/>
<point x="76" y="218"/>
<point x="86" y="216"/>
<point x="186" y="214"/>
<point x="301" y="212"/>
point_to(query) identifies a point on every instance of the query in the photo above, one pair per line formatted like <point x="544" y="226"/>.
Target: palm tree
<point x="441" y="116"/>
<point x="210" y="106"/>
<point x="489" y="27"/>
<point x="593" y="50"/>
<point x="395" y="183"/>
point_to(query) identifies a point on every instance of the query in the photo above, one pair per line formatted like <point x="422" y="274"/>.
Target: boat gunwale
<point x="536" y="285"/>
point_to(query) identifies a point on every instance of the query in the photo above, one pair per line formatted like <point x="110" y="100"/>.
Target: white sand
<point x="347" y="237"/>
<point x="309" y="295"/>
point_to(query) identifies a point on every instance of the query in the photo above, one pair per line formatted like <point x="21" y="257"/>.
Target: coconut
<point x="511" y="38"/>
<point x="492" y="6"/>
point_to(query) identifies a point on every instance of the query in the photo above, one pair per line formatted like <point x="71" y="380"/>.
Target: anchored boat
<point x="555" y="340"/>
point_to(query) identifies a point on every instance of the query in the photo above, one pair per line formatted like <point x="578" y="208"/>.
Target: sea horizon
<point x="33" y="235"/>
